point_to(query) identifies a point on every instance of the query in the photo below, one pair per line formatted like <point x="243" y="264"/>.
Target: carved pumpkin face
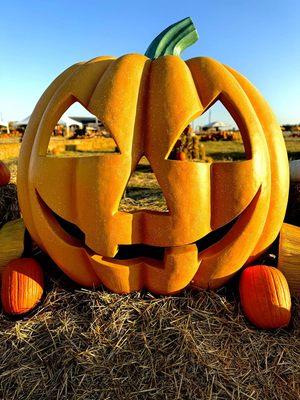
<point x="146" y="104"/>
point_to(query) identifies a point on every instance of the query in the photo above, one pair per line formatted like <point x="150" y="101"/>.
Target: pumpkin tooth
<point x="170" y="278"/>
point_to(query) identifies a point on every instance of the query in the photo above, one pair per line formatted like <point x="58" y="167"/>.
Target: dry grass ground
<point x="234" y="150"/>
<point x="83" y="344"/>
<point x="92" y="344"/>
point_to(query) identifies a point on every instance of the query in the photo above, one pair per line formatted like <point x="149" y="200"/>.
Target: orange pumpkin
<point x="265" y="297"/>
<point x="22" y="285"/>
<point x="146" y="102"/>
<point x="4" y="174"/>
<point x="181" y="155"/>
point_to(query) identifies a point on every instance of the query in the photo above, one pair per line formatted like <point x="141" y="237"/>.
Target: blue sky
<point x="39" y="39"/>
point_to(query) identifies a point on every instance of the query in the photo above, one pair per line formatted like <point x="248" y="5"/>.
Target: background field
<point x="219" y="150"/>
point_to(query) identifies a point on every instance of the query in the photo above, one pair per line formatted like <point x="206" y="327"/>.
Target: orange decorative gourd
<point x="265" y="297"/>
<point x="4" y="174"/>
<point x="22" y="285"/>
<point x="146" y="102"/>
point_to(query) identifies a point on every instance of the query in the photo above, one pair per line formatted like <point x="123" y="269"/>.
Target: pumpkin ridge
<point x="102" y="74"/>
<point x="283" y="291"/>
<point x="255" y="285"/>
<point x="256" y="282"/>
<point x="17" y="297"/>
<point x="271" y="288"/>
<point x="283" y="284"/>
<point x="279" y="280"/>
<point x="275" y="281"/>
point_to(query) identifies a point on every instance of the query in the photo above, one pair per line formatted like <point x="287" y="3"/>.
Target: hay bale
<point x="289" y="256"/>
<point x="9" y="206"/>
<point x="87" y="344"/>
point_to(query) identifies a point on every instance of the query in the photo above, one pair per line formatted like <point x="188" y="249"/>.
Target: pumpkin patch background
<point x="87" y="343"/>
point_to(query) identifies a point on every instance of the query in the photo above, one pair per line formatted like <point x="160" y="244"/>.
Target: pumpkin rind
<point x="22" y="286"/>
<point x="265" y="297"/>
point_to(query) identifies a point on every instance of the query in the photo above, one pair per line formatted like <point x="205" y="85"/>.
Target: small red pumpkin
<point x="4" y="174"/>
<point x="181" y="155"/>
<point x="22" y="285"/>
<point x="265" y="297"/>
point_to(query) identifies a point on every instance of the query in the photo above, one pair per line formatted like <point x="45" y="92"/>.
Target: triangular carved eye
<point x="78" y="133"/>
<point x="214" y="136"/>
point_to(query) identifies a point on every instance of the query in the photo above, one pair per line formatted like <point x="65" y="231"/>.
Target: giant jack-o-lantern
<point x="146" y="102"/>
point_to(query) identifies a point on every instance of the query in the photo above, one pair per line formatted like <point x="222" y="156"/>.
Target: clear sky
<point x="39" y="39"/>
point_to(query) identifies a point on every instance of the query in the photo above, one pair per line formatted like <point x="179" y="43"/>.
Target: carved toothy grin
<point x="138" y="265"/>
<point x="135" y="251"/>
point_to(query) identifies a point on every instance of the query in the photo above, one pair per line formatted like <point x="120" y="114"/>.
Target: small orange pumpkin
<point x="181" y="155"/>
<point x="265" y="297"/>
<point x="22" y="286"/>
<point x="4" y="174"/>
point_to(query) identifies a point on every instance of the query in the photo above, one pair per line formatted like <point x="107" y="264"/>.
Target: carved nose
<point x="143" y="192"/>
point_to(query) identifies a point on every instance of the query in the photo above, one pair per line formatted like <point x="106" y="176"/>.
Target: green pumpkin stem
<point x="173" y="40"/>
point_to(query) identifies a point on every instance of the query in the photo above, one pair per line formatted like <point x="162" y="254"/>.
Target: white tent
<point x="67" y="121"/>
<point x="216" y="124"/>
<point x="22" y="122"/>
